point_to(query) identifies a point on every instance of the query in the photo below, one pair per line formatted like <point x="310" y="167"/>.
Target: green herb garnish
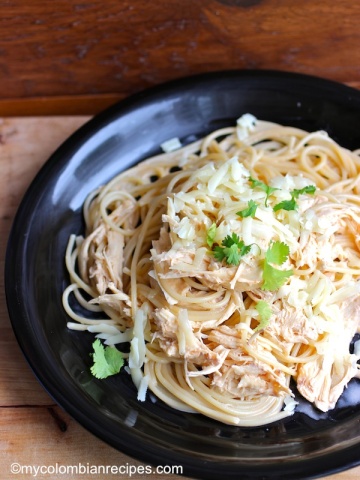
<point x="249" y="211"/>
<point x="265" y="312"/>
<point x="266" y="188"/>
<point x="274" y="278"/>
<point x="291" y="204"/>
<point x="107" y="360"/>
<point x="232" y="249"/>
<point x="308" y="189"/>
<point x="210" y="235"/>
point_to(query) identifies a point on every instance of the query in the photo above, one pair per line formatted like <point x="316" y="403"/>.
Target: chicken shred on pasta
<point x="232" y="266"/>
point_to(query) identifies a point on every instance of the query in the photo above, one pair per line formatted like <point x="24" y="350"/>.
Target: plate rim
<point x="79" y="137"/>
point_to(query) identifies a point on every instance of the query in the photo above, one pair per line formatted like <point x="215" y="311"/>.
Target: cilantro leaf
<point x="291" y="204"/>
<point x="265" y="313"/>
<point x="244" y="249"/>
<point x="274" y="278"/>
<point x="249" y="211"/>
<point x="256" y="183"/>
<point x="231" y="249"/>
<point x="308" y="189"/>
<point x="232" y="255"/>
<point x="266" y="188"/>
<point x="210" y="236"/>
<point x="277" y="253"/>
<point x="231" y="240"/>
<point x="219" y="253"/>
<point x="107" y="360"/>
<point x="286" y="205"/>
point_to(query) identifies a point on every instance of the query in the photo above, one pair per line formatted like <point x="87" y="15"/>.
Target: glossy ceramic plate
<point x="308" y="444"/>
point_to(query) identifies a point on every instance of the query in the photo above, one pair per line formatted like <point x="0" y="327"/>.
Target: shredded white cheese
<point x="171" y="145"/>
<point x="141" y="396"/>
<point x="245" y="124"/>
<point x="290" y="404"/>
<point x="138" y="349"/>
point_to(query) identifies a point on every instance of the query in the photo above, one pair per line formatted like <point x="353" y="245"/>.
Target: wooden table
<point x="34" y="430"/>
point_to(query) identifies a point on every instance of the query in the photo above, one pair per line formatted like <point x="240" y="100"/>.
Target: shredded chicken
<point x="323" y="380"/>
<point x="101" y="253"/>
<point x="212" y="295"/>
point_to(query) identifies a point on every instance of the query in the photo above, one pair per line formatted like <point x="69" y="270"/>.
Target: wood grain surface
<point x="87" y="47"/>
<point x="76" y="57"/>
<point x="34" y="431"/>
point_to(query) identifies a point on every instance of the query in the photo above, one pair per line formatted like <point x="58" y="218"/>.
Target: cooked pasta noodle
<point x="232" y="266"/>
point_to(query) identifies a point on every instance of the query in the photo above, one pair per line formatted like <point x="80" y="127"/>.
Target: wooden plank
<point x="81" y="48"/>
<point x="18" y="385"/>
<point x="54" y="106"/>
<point x="25" y="144"/>
<point x="40" y="436"/>
<point x="33" y="431"/>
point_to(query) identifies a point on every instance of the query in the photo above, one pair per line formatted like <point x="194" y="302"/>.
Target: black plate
<point x="302" y="446"/>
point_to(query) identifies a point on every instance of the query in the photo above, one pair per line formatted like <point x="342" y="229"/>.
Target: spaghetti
<point x="231" y="265"/>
